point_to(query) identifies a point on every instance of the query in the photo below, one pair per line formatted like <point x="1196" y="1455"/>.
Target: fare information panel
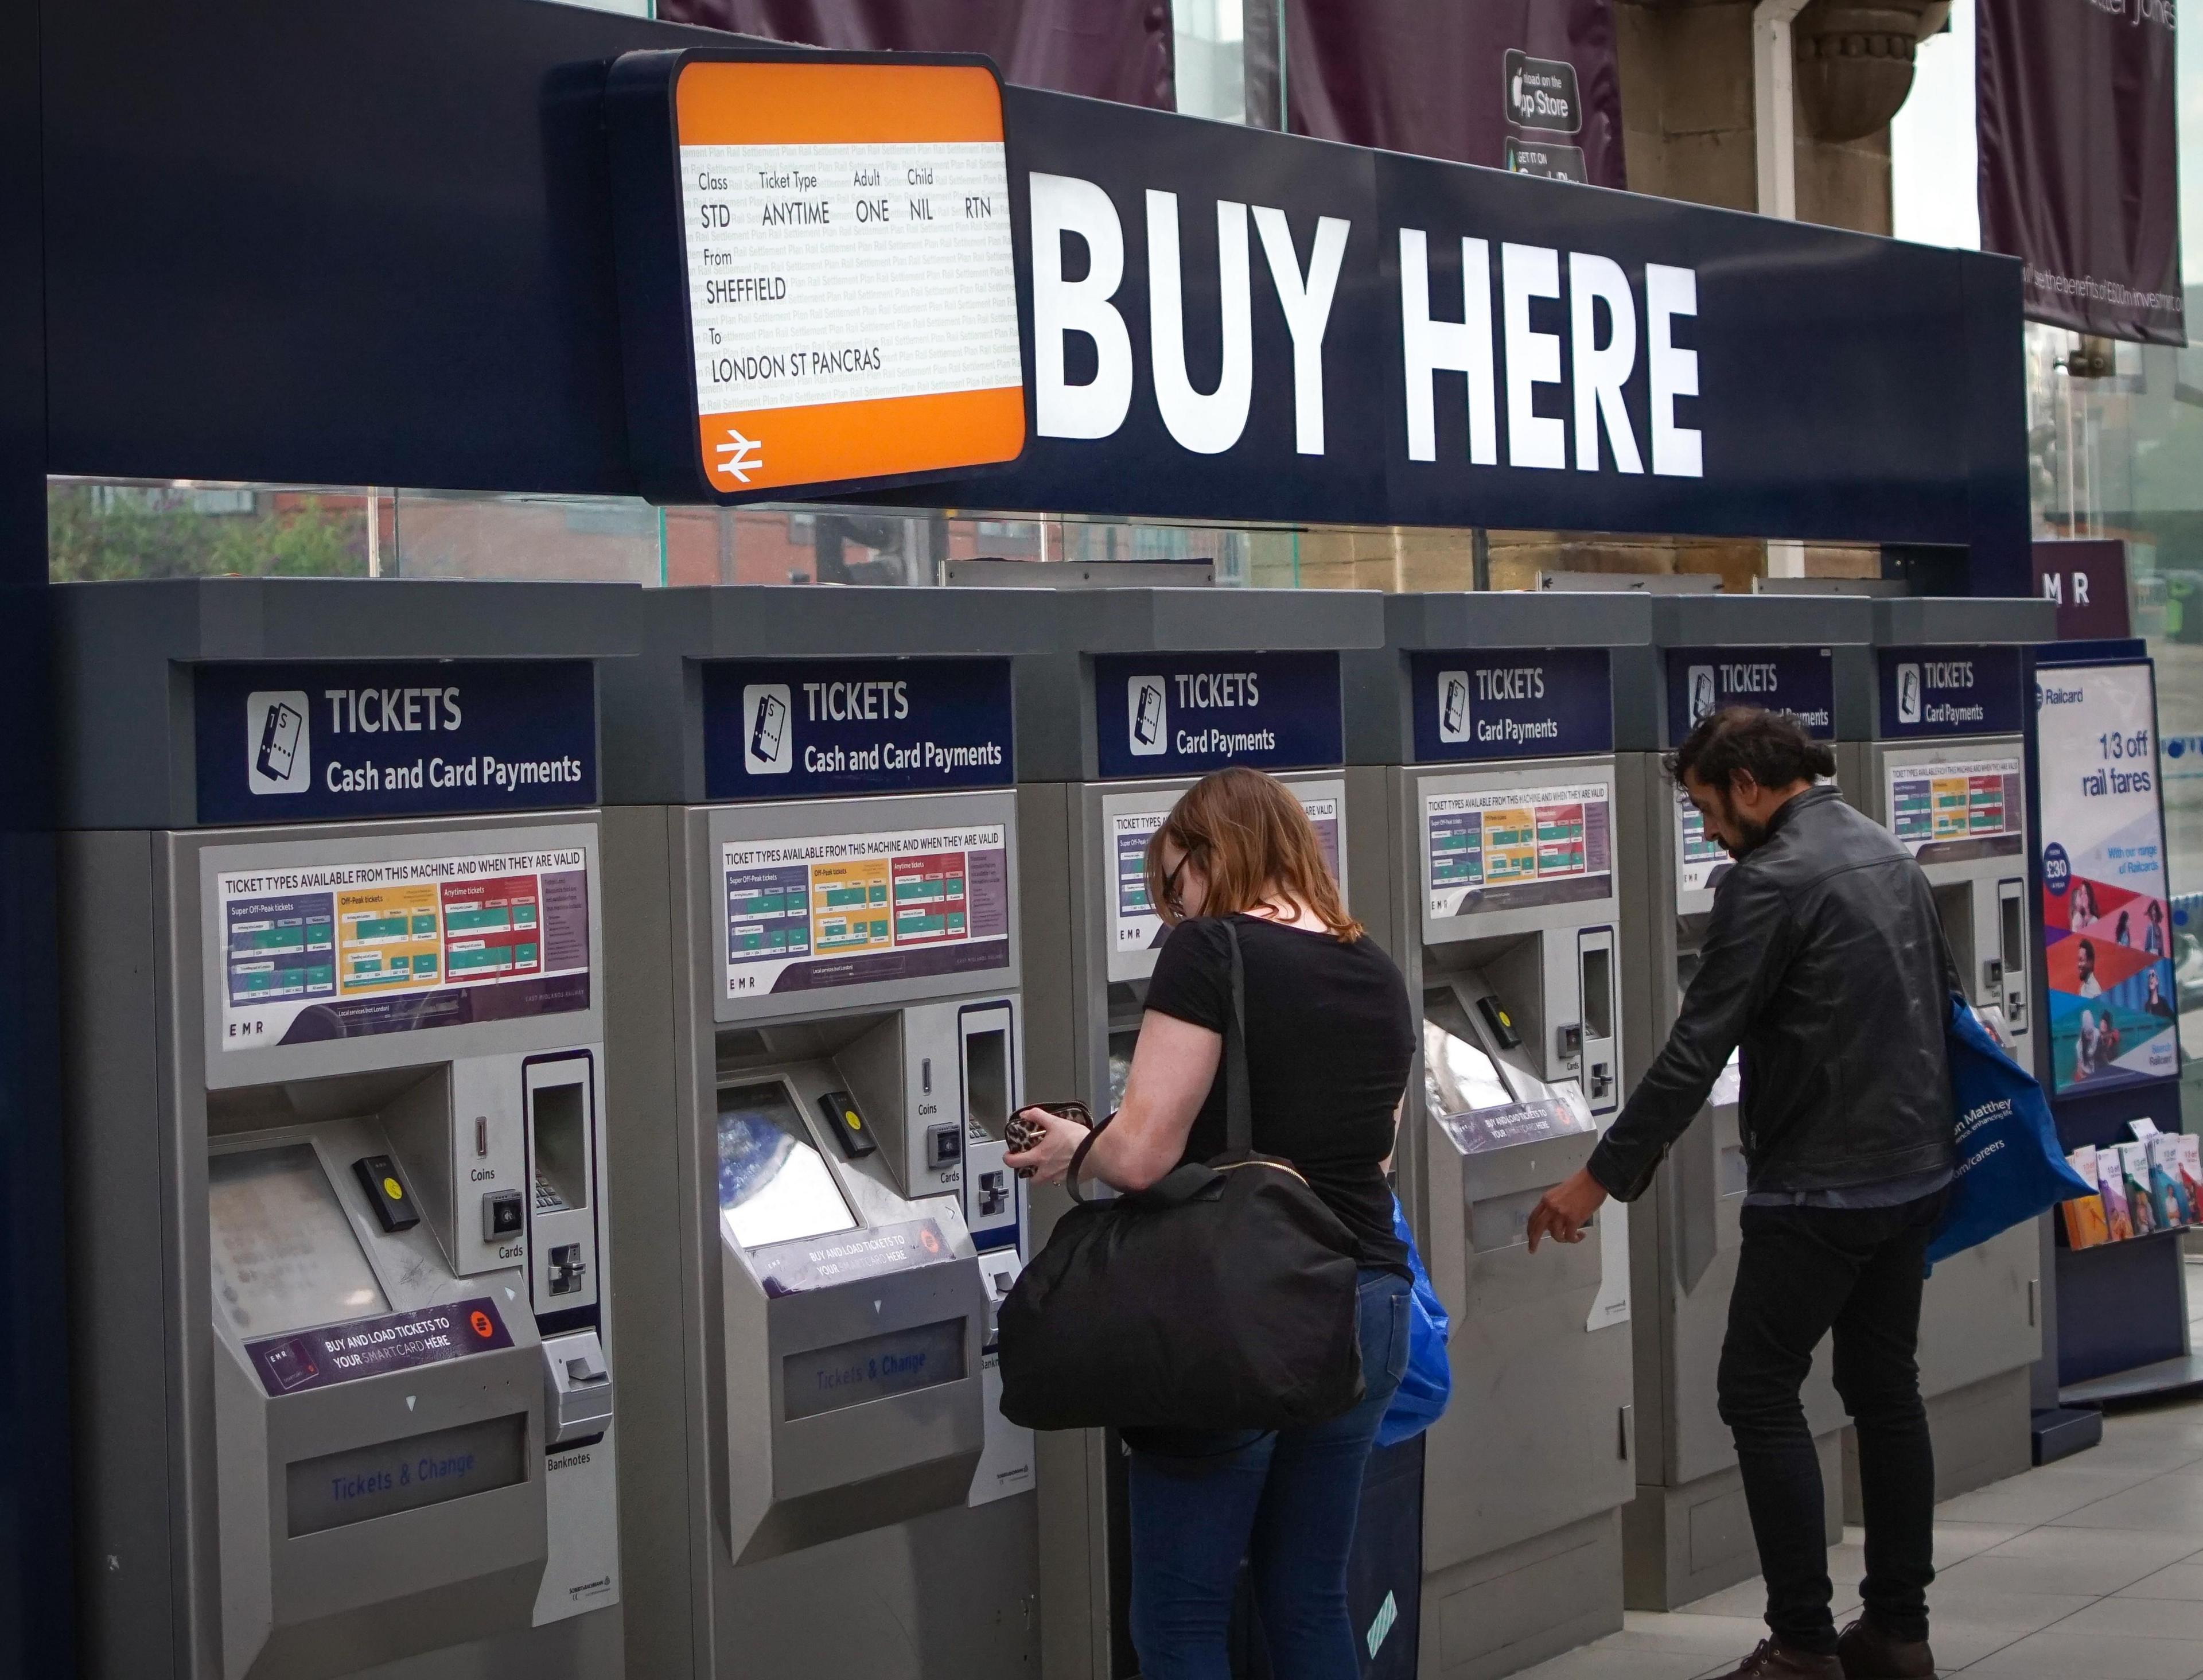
<point x="1699" y="856"/>
<point x="851" y="287"/>
<point x="848" y="909"/>
<point x="1504" y="849"/>
<point x="344" y="950"/>
<point x="1134" y="923"/>
<point x="1968" y="808"/>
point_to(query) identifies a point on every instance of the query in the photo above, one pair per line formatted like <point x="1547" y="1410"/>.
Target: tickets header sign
<point x="1934" y="691"/>
<point x="1800" y="681"/>
<point x="819" y="287"/>
<point x="784" y="729"/>
<point x="1513" y="703"/>
<point x="1185" y="714"/>
<point x="313" y="742"/>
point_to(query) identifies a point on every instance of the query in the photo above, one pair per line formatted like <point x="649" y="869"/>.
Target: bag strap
<point x="1078" y="1157"/>
<point x="1238" y="1105"/>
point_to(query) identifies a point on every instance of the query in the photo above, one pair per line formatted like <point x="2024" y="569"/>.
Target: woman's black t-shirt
<point x="1329" y="1039"/>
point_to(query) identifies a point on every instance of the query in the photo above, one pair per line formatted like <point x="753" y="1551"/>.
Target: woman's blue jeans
<point x="1284" y="1501"/>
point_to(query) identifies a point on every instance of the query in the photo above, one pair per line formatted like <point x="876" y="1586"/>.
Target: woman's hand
<point x="1049" y="1159"/>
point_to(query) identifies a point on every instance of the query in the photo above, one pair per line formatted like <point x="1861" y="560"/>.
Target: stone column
<point x="1686" y="101"/>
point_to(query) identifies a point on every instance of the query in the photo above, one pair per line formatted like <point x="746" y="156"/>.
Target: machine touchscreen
<point x="285" y="1256"/>
<point x="774" y="1185"/>
<point x="1121" y="1046"/>
<point x="1458" y="1077"/>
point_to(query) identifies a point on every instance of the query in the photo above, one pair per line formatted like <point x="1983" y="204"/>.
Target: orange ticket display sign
<point x="842" y="273"/>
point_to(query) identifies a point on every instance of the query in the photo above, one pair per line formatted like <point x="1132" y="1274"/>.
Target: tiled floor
<point x="2092" y="1568"/>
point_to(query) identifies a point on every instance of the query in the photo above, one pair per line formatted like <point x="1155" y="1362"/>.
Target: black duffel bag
<point x="1222" y="1297"/>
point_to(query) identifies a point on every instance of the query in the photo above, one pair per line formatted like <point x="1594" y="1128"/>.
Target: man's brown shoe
<point x="1868" y="1654"/>
<point x="1773" y="1660"/>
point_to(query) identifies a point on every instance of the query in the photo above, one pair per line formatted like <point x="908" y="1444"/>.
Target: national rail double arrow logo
<point x="744" y="459"/>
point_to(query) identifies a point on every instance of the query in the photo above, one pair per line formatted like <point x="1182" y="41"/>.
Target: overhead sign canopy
<point x="818" y="284"/>
<point x="1217" y="324"/>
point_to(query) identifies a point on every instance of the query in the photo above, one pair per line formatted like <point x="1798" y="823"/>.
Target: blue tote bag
<point x="2011" y="1168"/>
<point x="1422" y="1396"/>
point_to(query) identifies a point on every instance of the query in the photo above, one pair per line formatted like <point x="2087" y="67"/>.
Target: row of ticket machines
<point x="537" y="1058"/>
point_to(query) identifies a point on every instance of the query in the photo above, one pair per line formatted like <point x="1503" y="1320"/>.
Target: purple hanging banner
<point x="1528" y="85"/>
<point x="1116" y="49"/>
<point x="2080" y="174"/>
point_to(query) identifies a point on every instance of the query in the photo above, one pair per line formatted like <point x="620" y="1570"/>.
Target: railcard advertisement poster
<point x="2106" y="921"/>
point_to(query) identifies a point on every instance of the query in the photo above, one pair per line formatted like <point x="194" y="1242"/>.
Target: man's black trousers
<point x="1804" y="1273"/>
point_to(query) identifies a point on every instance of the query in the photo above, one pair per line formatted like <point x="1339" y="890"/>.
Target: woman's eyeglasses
<point x="1169" y="881"/>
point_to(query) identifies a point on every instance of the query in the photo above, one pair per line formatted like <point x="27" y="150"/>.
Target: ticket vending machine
<point x="1687" y="1534"/>
<point x="1483" y="795"/>
<point x="813" y="833"/>
<point x="1944" y="771"/>
<point x="345" y="1352"/>
<point x="1150" y="691"/>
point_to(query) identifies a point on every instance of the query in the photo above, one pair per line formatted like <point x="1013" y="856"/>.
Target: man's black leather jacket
<point x="1824" y="960"/>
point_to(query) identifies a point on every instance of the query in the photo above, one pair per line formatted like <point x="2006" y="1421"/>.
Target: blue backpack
<point x="2011" y="1168"/>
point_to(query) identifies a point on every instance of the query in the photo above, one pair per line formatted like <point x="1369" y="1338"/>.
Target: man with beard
<point x="1825" y="963"/>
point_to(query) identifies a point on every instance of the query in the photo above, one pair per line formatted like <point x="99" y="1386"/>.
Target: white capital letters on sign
<point x="1673" y="373"/>
<point x="1600" y="372"/>
<point x="1306" y="305"/>
<point x="1460" y="346"/>
<point x="1066" y="204"/>
<point x="1210" y="424"/>
<point x="1534" y="358"/>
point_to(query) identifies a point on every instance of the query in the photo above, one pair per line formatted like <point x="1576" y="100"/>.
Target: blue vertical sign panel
<point x="1185" y="714"/>
<point x="807" y="729"/>
<point x="1513" y="703"/>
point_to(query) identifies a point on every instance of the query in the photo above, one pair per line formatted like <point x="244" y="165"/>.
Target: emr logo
<point x="1148" y="714"/>
<point x="278" y="742"/>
